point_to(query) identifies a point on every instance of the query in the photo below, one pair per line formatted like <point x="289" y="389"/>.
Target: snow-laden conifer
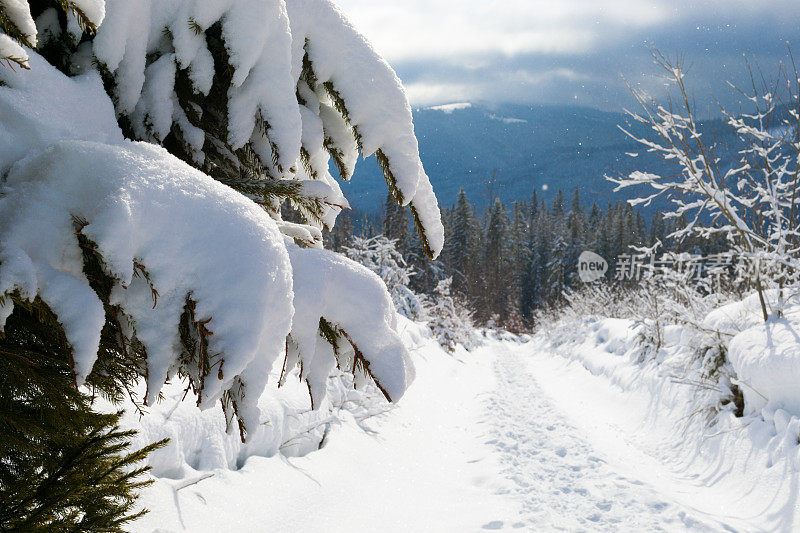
<point x="380" y="255"/>
<point x="203" y="276"/>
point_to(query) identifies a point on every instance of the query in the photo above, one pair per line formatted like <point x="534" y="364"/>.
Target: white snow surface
<point x="767" y="358"/>
<point x="41" y="106"/>
<point x="422" y="465"/>
<point x="566" y="431"/>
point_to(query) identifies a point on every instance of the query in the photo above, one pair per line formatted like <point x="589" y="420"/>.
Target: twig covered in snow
<point x="750" y="197"/>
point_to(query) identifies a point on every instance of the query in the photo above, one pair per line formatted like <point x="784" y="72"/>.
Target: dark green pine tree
<point x="534" y="207"/>
<point x="462" y="244"/>
<point x="640" y="236"/>
<point x="559" y="206"/>
<point x="342" y="233"/>
<point x="576" y="237"/>
<point x="658" y="230"/>
<point x="605" y="238"/>
<point x="396" y="225"/>
<point x="557" y="269"/>
<point x="63" y="466"/>
<point x="545" y="228"/>
<point x="595" y="224"/>
<point x="497" y="276"/>
<point x="520" y="255"/>
<point x="537" y="249"/>
<point x="619" y="231"/>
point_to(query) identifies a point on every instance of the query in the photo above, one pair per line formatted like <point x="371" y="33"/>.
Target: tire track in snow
<point x="561" y="480"/>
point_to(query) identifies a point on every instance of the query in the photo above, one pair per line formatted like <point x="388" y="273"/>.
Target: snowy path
<point x="563" y="481"/>
<point x="506" y="438"/>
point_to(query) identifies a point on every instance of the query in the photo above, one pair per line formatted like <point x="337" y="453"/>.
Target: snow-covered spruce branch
<point x="748" y="190"/>
<point x="254" y="94"/>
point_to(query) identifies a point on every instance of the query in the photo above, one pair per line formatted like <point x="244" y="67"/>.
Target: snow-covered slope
<point x="422" y="465"/>
<point x="740" y="468"/>
<point x="571" y="430"/>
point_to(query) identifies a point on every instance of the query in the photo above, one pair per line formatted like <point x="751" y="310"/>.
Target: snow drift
<point x="719" y="399"/>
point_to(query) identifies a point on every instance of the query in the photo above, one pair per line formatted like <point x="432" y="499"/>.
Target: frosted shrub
<point x="748" y="189"/>
<point x="449" y="319"/>
<point x="380" y="255"/>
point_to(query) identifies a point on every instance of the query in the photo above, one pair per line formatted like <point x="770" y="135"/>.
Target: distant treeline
<point x="512" y="259"/>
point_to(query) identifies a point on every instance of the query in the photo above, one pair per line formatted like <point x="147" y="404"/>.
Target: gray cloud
<point x="573" y="51"/>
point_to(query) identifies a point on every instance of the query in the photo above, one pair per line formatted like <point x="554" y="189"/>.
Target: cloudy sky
<point x="571" y="51"/>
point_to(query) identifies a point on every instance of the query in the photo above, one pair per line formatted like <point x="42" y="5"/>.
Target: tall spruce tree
<point x="496" y="262"/>
<point x="462" y="246"/>
<point x="252" y="98"/>
<point x="577" y="235"/>
<point x="396" y="225"/>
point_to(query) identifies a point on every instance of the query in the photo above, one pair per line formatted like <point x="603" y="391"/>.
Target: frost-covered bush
<point x="658" y="302"/>
<point x="669" y="298"/>
<point x="672" y="320"/>
<point x="747" y="188"/>
<point x="380" y="255"/>
<point x="201" y="281"/>
<point x="449" y="319"/>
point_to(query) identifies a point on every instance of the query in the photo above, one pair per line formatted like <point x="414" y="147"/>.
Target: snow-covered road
<point x="562" y="479"/>
<point x="509" y="437"/>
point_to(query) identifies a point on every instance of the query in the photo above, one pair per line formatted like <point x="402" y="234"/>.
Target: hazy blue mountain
<point x="525" y="147"/>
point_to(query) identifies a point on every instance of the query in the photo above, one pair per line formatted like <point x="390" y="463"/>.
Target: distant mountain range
<point x="523" y="147"/>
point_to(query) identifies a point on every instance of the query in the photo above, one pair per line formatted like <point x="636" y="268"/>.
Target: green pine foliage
<point x="396" y="225"/>
<point x="506" y="268"/>
<point x="63" y="466"/>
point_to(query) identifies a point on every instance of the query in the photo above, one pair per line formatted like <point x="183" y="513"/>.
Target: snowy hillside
<point x="570" y="429"/>
<point x="531" y="147"/>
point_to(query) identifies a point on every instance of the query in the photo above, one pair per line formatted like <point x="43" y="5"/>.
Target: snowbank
<point x="420" y="465"/>
<point x="685" y="397"/>
<point x="766" y="359"/>
<point x="199" y="442"/>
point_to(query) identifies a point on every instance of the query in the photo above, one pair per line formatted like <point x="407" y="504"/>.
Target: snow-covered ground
<point x="572" y="435"/>
<point x="424" y="465"/>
